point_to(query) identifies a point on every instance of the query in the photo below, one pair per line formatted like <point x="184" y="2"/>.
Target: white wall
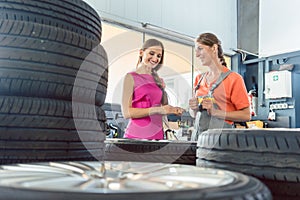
<point x="189" y="17"/>
<point x="279" y="27"/>
<point x="278" y="30"/>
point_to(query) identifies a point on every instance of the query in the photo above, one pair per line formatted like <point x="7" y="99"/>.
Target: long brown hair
<point x="209" y="39"/>
<point x="147" y="44"/>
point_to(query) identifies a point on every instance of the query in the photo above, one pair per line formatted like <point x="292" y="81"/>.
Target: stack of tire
<point x="53" y="81"/>
<point x="162" y="151"/>
<point x="158" y="151"/>
<point x="271" y="155"/>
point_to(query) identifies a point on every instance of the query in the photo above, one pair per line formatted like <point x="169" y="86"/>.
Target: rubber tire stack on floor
<point x="53" y="81"/>
<point x="271" y="155"/>
<point x="164" y="151"/>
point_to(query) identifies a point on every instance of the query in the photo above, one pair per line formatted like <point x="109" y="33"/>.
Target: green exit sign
<point x="275" y="78"/>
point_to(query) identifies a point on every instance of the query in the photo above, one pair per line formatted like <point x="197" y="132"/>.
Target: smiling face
<point x="152" y="56"/>
<point x="204" y="53"/>
<point x="209" y="51"/>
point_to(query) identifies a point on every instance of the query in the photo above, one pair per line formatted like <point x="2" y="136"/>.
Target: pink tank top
<point x="146" y="94"/>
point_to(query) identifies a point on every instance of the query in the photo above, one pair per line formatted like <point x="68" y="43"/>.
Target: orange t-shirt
<point x="230" y="95"/>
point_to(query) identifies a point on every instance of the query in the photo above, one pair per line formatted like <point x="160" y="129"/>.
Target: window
<point x="121" y="46"/>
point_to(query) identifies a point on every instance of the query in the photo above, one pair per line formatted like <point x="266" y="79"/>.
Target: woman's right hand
<point x="193" y="103"/>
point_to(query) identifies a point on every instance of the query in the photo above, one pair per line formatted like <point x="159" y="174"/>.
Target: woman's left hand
<point x="208" y="104"/>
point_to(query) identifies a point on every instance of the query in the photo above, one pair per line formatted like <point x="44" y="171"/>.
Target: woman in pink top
<point x="144" y="98"/>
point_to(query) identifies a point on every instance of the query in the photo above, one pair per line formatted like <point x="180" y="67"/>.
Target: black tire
<point x="47" y="155"/>
<point x="268" y="154"/>
<point x="94" y="180"/>
<point x="29" y="112"/>
<point x="179" y="152"/>
<point x="43" y="61"/>
<point x="52" y="73"/>
<point x="50" y="135"/>
<point x="73" y="15"/>
<point x="36" y="145"/>
<point x="36" y="129"/>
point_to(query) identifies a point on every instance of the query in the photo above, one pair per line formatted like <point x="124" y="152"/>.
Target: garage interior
<point x="62" y="65"/>
<point x="244" y="28"/>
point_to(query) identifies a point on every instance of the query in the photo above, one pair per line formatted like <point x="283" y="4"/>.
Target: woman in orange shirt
<point x="218" y="102"/>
